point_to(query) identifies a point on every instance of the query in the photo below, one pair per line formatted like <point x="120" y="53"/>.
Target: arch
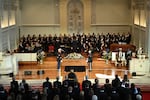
<point x="75" y="16"/>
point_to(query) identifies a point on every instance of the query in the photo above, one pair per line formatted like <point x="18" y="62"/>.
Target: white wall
<point x="110" y="28"/>
<point x="39" y="17"/>
<point x="111" y="16"/>
<point x="39" y="30"/>
<point x="43" y="16"/>
<point x="40" y="12"/>
<point x="113" y="12"/>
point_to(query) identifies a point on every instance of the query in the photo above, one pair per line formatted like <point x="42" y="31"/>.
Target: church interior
<point x="97" y="39"/>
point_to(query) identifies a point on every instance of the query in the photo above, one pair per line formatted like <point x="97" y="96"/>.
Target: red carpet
<point x="146" y="95"/>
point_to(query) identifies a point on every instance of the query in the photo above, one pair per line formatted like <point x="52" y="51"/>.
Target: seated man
<point x="120" y="58"/>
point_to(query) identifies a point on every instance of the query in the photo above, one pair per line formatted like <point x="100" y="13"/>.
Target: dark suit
<point x="86" y="83"/>
<point x="57" y="84"/>
<point x="14" y="87"/>
<point x="48" y="86"/>
<point x="72" y="76"/>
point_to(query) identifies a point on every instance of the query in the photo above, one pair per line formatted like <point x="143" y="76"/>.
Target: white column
<point x="148" y="29"/>
<point x="149" y="33"/>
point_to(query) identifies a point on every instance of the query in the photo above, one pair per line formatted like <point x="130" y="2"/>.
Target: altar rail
<point x="52" y="73"/>
<point x="114" y="47"/>
<point x="26" y="56"/>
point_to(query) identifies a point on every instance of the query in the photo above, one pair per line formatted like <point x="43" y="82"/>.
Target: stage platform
<point x="50" y="70"/>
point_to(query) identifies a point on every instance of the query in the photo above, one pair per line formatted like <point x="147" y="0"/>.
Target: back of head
<point x="107" y="80"/>
<point x="132" y="85"/>
<point x="56" y="97"/>
<point x="96" y="80"/>
<point x="138" y="97"/>
<point x="116" y="76"/>
<point x="47" y="78"/>
<point x="57" y="78"/>
<point x="94" y="97"/>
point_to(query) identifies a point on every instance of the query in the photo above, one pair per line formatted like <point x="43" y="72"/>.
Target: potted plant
<point x="106" y="55"/>
<point x="40" y="57"/>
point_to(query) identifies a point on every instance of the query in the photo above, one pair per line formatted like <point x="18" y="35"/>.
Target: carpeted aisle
<point x="146" y="95"/>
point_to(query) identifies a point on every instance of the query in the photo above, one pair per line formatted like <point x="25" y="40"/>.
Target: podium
<point x="139" y="66"/>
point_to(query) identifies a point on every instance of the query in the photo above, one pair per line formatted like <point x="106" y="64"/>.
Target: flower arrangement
<point x="40" y="56"/>
<point x="106" y="55"/>
<point x="74" y="56"/>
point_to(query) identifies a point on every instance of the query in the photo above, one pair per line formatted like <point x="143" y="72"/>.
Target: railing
<point x="41" y="74"/>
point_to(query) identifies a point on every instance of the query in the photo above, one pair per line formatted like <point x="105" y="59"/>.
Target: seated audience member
<point x="119" y="56"/>
<point x="47" y="86"/>
<point x="135" y="91"/>
<point x="3" y="93"/>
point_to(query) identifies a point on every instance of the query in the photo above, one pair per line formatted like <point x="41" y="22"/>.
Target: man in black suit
<point x="14" y="86"/>
<point x="57" y="83"/>
<point x="47" y="87"/>
<point x="116" y="82"/>
<point x="128" y="56"/>
<point x="86" y="83"/>
<point x="90" y="60"/>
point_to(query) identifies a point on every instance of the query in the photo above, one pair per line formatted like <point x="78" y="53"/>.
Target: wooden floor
<point x="49" y="66"/>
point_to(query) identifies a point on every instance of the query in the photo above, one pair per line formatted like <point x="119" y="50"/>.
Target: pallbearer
<point x="59" y="60"/>
<point x="90" y="59"/>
